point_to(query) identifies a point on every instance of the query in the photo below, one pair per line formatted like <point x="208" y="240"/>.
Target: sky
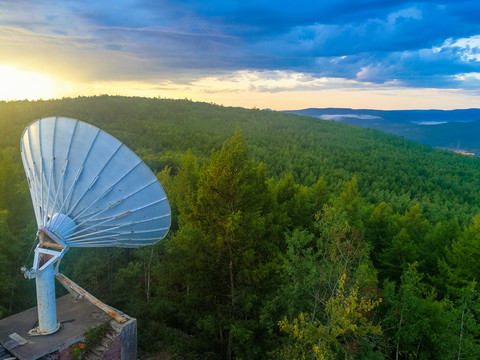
<point x="282" y="55"/>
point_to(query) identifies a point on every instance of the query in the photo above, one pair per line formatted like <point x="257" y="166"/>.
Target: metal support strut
<point x="45" y="266"/>
<point x="47" y="310"/>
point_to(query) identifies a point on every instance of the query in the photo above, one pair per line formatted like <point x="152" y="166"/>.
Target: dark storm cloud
<point x="412" y="43"/>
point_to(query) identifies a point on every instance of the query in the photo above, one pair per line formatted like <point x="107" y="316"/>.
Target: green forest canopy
<point x="344" y="242"/>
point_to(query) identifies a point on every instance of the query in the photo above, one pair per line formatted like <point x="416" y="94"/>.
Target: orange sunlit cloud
<point x="279" y="90"/>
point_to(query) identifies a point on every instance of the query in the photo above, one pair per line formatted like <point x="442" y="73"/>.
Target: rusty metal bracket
<point x="71" y="286"/>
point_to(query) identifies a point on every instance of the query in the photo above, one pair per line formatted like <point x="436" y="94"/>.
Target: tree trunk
<point x="230" y="346"/>
<point x="148" y="271"/>
<point x="232" y="285"/>
<point x="459" y="355"/>
<point x="232" y="302"/>
<point x="398" y="337"/>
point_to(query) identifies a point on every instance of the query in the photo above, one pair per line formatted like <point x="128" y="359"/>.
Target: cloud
<point x="340" y="117"/>
<point x="376" y="73"/>
<point x="468" y="49"/>
<point x="256" y="45"/>
<point x="282" y="91"/>
<point x="263" y="81"/>
<point x="267" y="81"/>
<point x="469" y="81"/>
<point x="429" y="122"/>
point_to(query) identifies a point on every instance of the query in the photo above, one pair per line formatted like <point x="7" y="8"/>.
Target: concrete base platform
<point x="76" y="318"/>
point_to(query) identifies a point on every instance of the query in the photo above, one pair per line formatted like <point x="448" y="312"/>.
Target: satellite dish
<point x="88" y="190"/>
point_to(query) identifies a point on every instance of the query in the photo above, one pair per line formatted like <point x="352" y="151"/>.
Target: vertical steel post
<point x="47" y="311"/>
<point x="45" y="266"/>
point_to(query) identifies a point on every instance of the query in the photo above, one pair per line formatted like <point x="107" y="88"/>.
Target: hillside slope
<point x="388" y="168"/>
<point x="448" y="129"/>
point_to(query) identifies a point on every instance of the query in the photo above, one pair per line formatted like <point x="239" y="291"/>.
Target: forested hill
<point x="292" y="237"/>
<point x="447" y="129"/>
<point x="388" y="168"/>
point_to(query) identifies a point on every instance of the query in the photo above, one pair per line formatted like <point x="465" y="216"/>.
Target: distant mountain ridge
<point x="449" y="129"/>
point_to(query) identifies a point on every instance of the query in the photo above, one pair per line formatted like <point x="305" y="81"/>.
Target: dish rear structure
<point x="88" y="190"/>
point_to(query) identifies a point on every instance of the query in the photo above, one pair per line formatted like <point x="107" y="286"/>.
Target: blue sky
<point x="277" y="54"/>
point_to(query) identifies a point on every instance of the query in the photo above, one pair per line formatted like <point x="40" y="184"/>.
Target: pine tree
<point x="224" y="245"/>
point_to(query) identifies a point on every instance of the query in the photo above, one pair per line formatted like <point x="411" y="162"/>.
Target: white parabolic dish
<point x="89" y="189"/>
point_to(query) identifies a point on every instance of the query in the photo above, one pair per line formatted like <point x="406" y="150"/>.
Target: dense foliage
<point x="292" y="237"/>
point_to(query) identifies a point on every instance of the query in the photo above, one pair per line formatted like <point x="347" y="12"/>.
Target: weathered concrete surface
<point x="128" y="338"/>
<point x="76" y="318"/>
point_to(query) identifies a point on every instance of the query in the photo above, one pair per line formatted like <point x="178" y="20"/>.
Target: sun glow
<point x="16" y="84"/>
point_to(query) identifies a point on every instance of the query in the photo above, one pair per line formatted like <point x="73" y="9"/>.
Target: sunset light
<point x="283" y="56"/>
<point x="18" y="84"/>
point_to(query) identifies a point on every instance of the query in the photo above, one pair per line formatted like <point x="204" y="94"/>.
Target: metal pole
<point x="45" y="266"/>
<point x="47" y="311"/>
